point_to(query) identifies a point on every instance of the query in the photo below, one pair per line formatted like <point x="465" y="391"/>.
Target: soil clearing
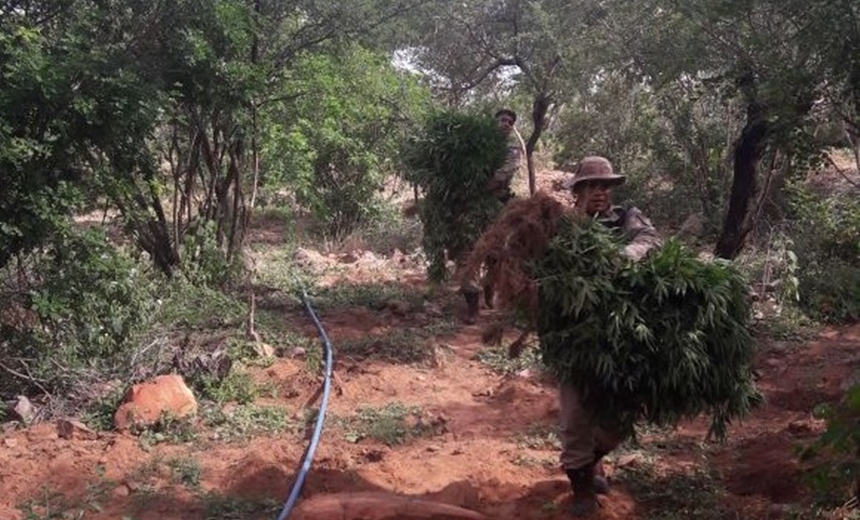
<point x="483" y="443"/>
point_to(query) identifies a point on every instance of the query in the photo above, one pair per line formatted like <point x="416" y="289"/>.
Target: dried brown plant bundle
<point x="518" y="237"/>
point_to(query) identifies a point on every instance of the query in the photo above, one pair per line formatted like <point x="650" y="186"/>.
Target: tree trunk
<point x="539" y="109"/>
<point x="748" y="150"/>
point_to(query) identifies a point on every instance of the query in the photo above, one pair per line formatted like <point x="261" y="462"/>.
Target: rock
<point x="378" y="506"/>
<point x="433" y="310"/>
<point x="399" y="308"/>
<point x="692" y="227"/>
<point x="10" y="443"/>
<point x="800" y="428"/>
<point x="264" y="350"/>
<point x="121" y="491"/>
<point x="629" y="461"/>
<point x="307" y="257"/>
<point x="348" y="258"/>
<point x="773" y="363"/>
<point x="302" y="255"/>
<point x="526" y="373"/>
<point x="71" y="429"/>
<point x="42" y="432"/>
<point x="24" y="409"/>
<point x="146" y="403"/>
<point x="298" y="352"/>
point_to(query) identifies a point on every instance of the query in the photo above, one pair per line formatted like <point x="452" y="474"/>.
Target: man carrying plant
<point x="584" y="443"/>
<point x="500" y="186"/>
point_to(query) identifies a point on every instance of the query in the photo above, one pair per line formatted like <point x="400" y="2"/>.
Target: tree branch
<point x="505" y="62"/>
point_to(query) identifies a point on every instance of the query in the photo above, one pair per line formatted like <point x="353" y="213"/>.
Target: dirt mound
<point x="766" y="466"/>
<point x="379" y="506"/>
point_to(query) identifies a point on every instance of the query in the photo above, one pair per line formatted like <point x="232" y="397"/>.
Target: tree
<point x="757" y="52"/>
<point x="546" y="48"/>
<point x="68" y="115"/>
<point x="331" y="137"/>
<point x="101" y="95"/>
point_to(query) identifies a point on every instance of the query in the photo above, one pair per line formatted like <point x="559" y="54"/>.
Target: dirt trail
<point x="477" y="459"/>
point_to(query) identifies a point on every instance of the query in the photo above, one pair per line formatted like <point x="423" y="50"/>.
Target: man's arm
<point x="502" y="177"/>
<point x="641" y="233"/>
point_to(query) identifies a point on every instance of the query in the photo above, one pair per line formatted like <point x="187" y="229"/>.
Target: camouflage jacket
<point x="639" y="233"/>
<point x="500" y="185"/>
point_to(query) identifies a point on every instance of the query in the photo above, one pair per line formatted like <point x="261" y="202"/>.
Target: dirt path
<point x="477" y="458"/>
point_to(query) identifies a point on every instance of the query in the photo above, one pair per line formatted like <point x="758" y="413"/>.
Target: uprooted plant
<point x="452" y="161"/>
<point x="660" y="340"/>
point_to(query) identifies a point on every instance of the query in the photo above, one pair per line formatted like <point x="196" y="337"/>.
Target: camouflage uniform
<point x="501" y="183"/>
<point x="584" y="443"/>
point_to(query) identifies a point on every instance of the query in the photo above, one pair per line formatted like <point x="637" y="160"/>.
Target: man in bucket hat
<point x="584" y="443"/>
<point x="592" y="185"/>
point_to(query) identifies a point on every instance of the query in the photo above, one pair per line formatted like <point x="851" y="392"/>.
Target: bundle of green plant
<point x="661" y="340"/>
<point x="452" y="160"/>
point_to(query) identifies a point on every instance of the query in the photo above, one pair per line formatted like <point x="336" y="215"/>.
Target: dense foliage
<point x="452" y="161"/>
<point x="331" y="137"/>
<point x="660" y="340"/>
<point x="840" y="480"/>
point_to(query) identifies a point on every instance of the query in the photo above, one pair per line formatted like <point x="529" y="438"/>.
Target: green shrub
<point x="92" y="297"/>
<point x="330" y="147"/>
<point x="838" y="478"/>
<point x="86" y="300"/>
<point x="204" y="262"/>
<point x="832" y="294"/>
<point x="826" y="233"/>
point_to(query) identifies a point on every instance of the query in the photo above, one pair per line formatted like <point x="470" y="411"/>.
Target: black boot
<point x="489" y="296"/>
<point x="472" y="307"/>
<point x="584" y="496"/>
<point x="601" y="485"/>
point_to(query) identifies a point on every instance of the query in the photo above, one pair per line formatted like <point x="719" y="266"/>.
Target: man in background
<point x="500" y="186"/>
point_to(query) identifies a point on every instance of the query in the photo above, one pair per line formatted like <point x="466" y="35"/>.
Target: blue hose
<point x="315" y="439"/>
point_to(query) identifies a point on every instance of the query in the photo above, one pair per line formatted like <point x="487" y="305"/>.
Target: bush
<point x="331" y="146"/>
<point x="84" y="312"/>
<point x="826" y="232"/>
<point x="832" y="293"/>
<point x="838" y="479"/>
<point x="206" y="263"/>
<point x="85" y="300"/>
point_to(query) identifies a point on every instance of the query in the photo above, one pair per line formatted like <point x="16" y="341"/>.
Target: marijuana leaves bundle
<point x="660" y="341"/>
<point x="452" y="161"/>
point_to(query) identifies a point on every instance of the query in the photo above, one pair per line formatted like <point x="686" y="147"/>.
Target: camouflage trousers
<point x="582" y="441"/>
